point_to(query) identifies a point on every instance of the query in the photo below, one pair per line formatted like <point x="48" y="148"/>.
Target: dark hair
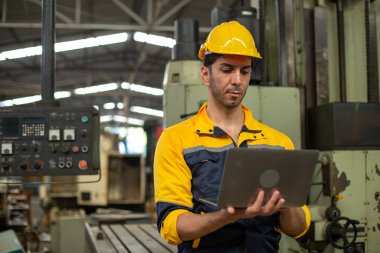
<point x="210" y="58"/>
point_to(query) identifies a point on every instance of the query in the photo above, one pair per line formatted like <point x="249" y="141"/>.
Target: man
<point x="190" y="155"/>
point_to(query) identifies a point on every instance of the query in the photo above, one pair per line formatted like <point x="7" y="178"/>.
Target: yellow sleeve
<point x="172" y="176"/>
<point x="172" y="185"/>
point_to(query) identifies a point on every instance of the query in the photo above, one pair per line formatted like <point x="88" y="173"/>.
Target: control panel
<point x="42" y="141"/>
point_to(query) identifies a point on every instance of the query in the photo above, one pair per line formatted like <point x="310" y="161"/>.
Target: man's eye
<point x="228" y="70"/>
<point x="246" y="72"/>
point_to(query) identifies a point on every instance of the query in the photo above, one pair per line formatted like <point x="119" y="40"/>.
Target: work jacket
<point x="188" y="165"/>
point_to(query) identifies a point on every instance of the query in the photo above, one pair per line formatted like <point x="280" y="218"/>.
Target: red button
<point x="75" y="149"/>
<point x="83" y="165"/>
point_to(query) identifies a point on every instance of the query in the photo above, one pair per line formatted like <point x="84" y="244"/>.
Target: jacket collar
<point x="204" y="125"/>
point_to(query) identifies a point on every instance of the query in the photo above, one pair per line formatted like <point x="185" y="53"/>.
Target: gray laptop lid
<point x="247" y="170"/>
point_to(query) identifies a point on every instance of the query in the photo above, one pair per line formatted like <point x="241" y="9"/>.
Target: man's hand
<point x="257" y="208"/>
<point x="191" y="226"/>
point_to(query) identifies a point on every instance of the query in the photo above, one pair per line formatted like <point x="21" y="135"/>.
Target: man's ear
<point x="205" y="74"/>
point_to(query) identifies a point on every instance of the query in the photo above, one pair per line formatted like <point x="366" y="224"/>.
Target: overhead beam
<point x="130" y="12"/>
<point x="58" y="14"/>
<point x="171" y="12"/>
<point x="87" y="26"/>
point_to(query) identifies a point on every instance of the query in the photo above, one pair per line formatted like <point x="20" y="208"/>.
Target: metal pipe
<point x="371" y="49"/>
<point x="48" y="57"/>
<point x="262" y="17"/>
<point x="341" y="50"/>
<point x="4" y="11"/>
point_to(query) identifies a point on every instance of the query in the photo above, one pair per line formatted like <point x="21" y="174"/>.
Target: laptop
<point x="248" y="170"/>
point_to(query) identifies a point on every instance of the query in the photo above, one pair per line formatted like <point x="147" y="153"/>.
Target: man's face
<point x="228" y="79"/>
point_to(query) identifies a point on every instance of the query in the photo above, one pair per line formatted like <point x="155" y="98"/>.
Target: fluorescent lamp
<point x="142" y="89"/>
<point x="32" y="99"/>
<point x="154" y="39"/>
<point x="26" y="100"/>
<point x="120" y="106"/>
<point x="91" y="42"/>
<point x="96" y="88"/>
<point x="22" y="52"/>
<point x="106" y="118"/>
<point x="109" y="106"/>
<point x="148" y="111"/>
<point x="62" y="94"/>
<point x="66" y="46"/>
<point x="133" y="121"/>
<point x="121" y="119"/>
<point x="6" y="103"/>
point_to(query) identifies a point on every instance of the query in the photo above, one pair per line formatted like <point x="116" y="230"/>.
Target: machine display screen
<point x="10" y="127"/>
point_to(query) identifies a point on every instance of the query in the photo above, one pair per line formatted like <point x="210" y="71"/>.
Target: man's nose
<point x="237" y="77"/>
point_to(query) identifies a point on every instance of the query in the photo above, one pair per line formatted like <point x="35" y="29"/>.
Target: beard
<point x="220" y="95"/>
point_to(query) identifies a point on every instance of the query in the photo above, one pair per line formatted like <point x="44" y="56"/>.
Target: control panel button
<point x="65" y="149"/>
<point x="82" y="165"/>
<point x="69" y="134"/>
<point x="84" y="119"/>
<point x="6" y="149"/>
<point x="5" y="167"/>
<point x="54" y="135"/>
<point x="24" y="147"/>
<point x="75" y="149"/>
<point x="36" y="147"/>
<point x="83" y="133"/>
<point x="37" y="165"/>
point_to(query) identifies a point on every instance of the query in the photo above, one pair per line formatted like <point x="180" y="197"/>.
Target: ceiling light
<point x="121" y="119"/>
<point x="91" y="42"/>
<point x="109" y="106"/>
<point x="120" y="106"/>
<point x="133" y="121"/>
<point x="142" y="89"/>
<point x="105" y="118"/>
<point x="66" y="46"/>
<point x="32" y="99"/>
<point x="96" y="88"/>
<point x="154" y="39"/>
<point x="26" y="100"/>
<point x="148" y="111"/>
<point x="62" y="94"/>
<point x="20" y="53"/>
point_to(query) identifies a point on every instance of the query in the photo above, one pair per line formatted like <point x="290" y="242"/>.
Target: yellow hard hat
<point x="229" y="38"/>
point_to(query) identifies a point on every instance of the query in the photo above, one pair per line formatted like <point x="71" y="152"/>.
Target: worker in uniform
<point x="190" y="155"/>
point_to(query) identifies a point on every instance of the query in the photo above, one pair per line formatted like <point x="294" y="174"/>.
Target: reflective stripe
<point x="265" y="146"/>
<point x="199" y="148"/>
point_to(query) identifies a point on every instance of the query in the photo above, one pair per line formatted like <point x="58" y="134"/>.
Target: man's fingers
<point x="271" y="206"/>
